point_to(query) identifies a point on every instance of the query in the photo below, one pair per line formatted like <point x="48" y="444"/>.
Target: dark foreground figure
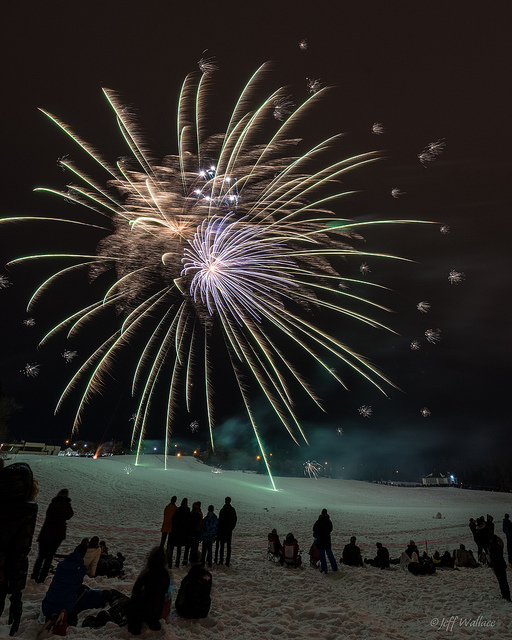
<point x="194" y="599"/>
<point x="149" y="593"/>
<point x="18" y="513"/>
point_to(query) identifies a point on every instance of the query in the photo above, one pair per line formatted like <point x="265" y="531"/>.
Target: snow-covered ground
<point x="256" y="599"/>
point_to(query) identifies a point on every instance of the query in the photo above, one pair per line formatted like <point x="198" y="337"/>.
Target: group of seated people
<point x="410" y="559"/>
<point x="148" y="603"/>
<point x="287" y="553"/>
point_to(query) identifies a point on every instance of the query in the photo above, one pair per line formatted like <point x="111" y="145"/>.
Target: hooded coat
<point x="62" y="592"/>
<point x="322" y="531"/>
<point x="54" y="526"/>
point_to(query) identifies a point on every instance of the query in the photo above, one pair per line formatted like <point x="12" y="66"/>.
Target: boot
<point x="15" y="611"/>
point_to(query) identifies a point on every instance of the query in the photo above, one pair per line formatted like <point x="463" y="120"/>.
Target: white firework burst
<point x="4" y="282"/>
<point x="378" y="128"/>
<point x="28" y="322"/>
<point x="312" y="468"/>
<point x="423" y="306"/>
<point x="425" y="412"/>
<point x="415" y="345"/>
<point x="128" y="469"/>
<point x="455" y="277"/>
<point x="365" y="411"/>
<point x="431" y="152"/>
<point x="313" y="85"/>
<point x="31" y="370"/>
<point x="365" y="269"/>
<point x="206" y="65"/>
<point x="396" y="192"/>
<point x="303" y="44"/>
<point x="339" y="431"/>
<point x="194" y="426"/>
<point x="69" y="356"/>
<point x="444" y="228"/>
<point x="433" y="335"/>
<point x="283" y="107"/>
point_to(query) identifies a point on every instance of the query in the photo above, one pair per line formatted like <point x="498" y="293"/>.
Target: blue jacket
<point x="209" y="528"/>
<point x="67" y="580"/>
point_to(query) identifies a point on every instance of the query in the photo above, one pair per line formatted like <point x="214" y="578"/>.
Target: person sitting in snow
<point x="411" y="554"/>
<point x="92" y="556"/>
<point x="275" y="548"/>
<point x="149" y="593"/>
<point x="381" y="560"/>
<point x="464" y="558"/>
<point x="193" y="600"/>
<point x="290" y="555"/>
<point x="352" y="554"/>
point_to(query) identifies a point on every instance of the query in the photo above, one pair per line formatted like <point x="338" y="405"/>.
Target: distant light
<point x="325" y="462"/>
<point x="154" y="448"/>
<point x="452" y="478"/>
<point x="95" y="457"/>
<point x="257" y="457"/>
<point x="85" y="445"/>
<point x="175" y="445"/>
<point x="195" y="452"/>
<point x="397" y="470"/>
<point x="178" y="455"/>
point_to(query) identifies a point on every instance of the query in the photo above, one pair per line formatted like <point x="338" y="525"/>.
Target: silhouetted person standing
<point x="18" y="512"/>
<point x="52" y="533"/>
<point x="499" y="565"/>
<point x="227" y="522"/>
<point x="322" y="532"/>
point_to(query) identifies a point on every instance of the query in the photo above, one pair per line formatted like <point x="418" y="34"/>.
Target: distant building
<point x="438" y="479"/>
<point x="39" y="448"/>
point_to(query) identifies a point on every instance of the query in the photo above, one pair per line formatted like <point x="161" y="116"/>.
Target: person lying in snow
<point x="66" y="591"/>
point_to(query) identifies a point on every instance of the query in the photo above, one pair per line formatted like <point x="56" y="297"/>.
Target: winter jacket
<point x="179" y="523"/>
<point x="496" y="553"/>
<point x="54" y="526"/>
<point x="67" y="580"/>
<point x="209" y="527"/>
<point x="227" y="520"/>
<point x="195" y="520"/>
<point x="193" y="599"/>
<point x="17" y="523"/>
<point x="507" y="527"/>
<point x="148" y="594"/>
<point x="322" y="532"/>
<point x="169" y="511"/>
<point x="352" y="555"/>
<point x="91" y="558"/>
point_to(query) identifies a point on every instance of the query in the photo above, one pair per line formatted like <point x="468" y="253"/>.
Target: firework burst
<point x="229" y="242"/>
<point x="312" y="468"/>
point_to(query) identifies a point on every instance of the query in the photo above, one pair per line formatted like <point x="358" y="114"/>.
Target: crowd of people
<point x="184" y="530"/>
<point x="490" y="551"/>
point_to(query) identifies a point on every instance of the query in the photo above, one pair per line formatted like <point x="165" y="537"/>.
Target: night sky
<point x="426" y="71"/>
